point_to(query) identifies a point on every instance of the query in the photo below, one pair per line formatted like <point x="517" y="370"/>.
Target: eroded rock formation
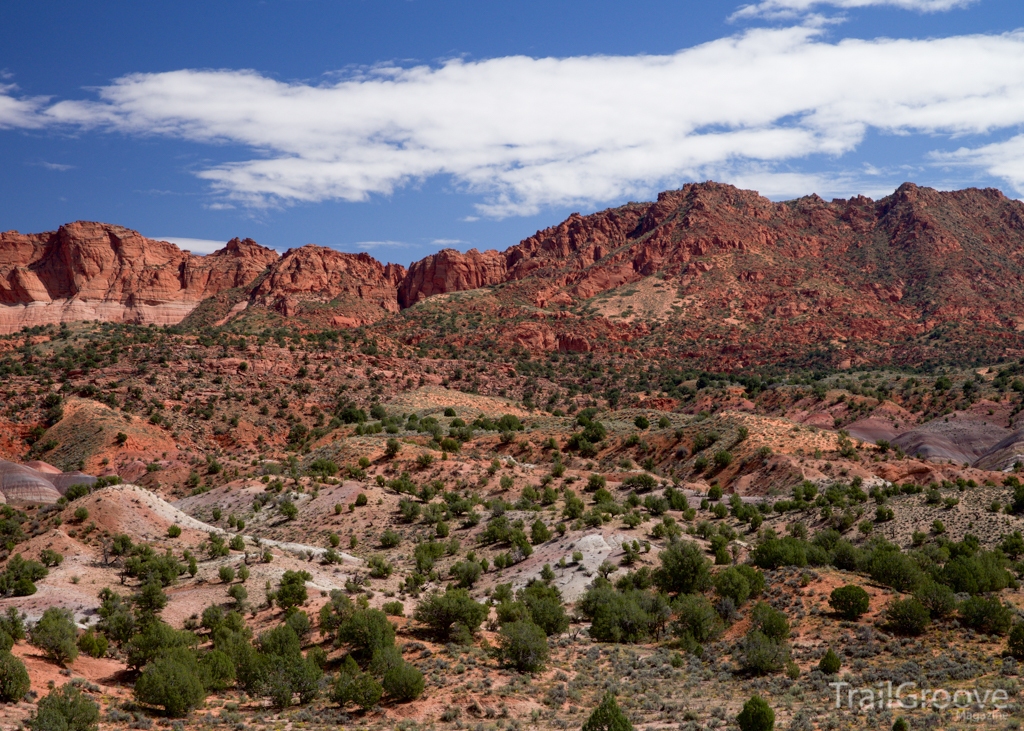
<point x="96" y="271"/>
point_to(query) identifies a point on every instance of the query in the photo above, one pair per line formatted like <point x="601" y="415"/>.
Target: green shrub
<point x="380" y="567"/>
<point x="978" y="574"/>
<point x="403" y="682"/>
<point x="761" y="655"/>
<point x="353" y="686"/>
<point x="850" y="602"/>
<point x="20" y="576"/>
<point x="217" y="670"/>
<point x="172" y="682"/>
<point x="539" y="532"/>
<point x="938" y="599"/>
<point x="775" y="552"/>
<point x="607" y="717"/>
<point x="288" y="509"/>
<point x="770" y="622"/>
<point x="288" y="676"/>
<point x="93" y="644"/>
<point x="987" y="615"/>
<point x="366" y="632"/>
<point x="641" y="483"/>
<point x="733" y="584"/>
<point x="291" y="592"/>
<point x="390" y="539"/>
<point x="684" y="569"/>
<point x="830" y="663"/>
<point x="907" y="616"/>
<point x="523" y="645"/>
<point x="467" y="573"/>
<point x="894" y="569"/>
<point x="173" y="531"/>
<point x="65" y="709"/>
<point x="696" y="622"/>
<point x="544" y="604"/>
<point x="55" y="635"/>
<point x="393" y="609"/>
<point x="452" y="615"/>
<point x="50" y="558"/>
<point x="156" y="638"/>
<point x="628" y="616"/>
<point x="239" y="594"/>
<point x="1015" y="644"/>
<point x="226" y="574"/>
<point x="322" y="467"/>
<point x="14" y="681"/>
<point x="756" y="715"/>
<point x="12" y="623"/>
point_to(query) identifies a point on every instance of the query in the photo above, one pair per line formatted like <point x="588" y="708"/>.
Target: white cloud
<point x="59" y="167"/>
<point x="19" y="112"/>
<point x="196" y="246"/>
<point x="448" y="242"/>
<point x="527" y="133"/>
<point x="1001" y="160"/>
<point x="793" y="8"/>
<point x="371" y="245"/>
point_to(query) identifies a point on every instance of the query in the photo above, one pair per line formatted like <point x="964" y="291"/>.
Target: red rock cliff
<point x="357" y="285"/>
<point x="96" y="271"/>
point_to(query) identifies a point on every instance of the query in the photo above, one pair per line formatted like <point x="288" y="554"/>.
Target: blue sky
<point x="401" y="126"/>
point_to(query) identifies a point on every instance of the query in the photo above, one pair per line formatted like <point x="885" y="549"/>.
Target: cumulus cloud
<point x="19" y="111"/>
<point x="792" y="8"/>
<point x="525" y="133"/>
<point x="1000" y="159"/>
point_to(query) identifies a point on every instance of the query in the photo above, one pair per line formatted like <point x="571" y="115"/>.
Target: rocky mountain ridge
<point x="732" y="269"/>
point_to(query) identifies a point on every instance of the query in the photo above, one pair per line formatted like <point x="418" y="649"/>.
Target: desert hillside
<point x="654" y="462"/>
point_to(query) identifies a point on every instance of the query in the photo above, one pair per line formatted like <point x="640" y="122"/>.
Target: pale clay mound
<point x="76" y="582"/>
<point x="172" y="515"/>
<point x="37" y="482"/>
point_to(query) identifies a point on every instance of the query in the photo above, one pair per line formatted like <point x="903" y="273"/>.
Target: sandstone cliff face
<point x="732" y="278"/>
<point x="95" y="271"/>
<point x="718" y="269"/>
<point x="356" y="285"/>
<point x="451" y="271"/>
<point x="929" y="246"/>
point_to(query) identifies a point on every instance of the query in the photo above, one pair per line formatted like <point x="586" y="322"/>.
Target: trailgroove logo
<point x="969" y="705"/>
